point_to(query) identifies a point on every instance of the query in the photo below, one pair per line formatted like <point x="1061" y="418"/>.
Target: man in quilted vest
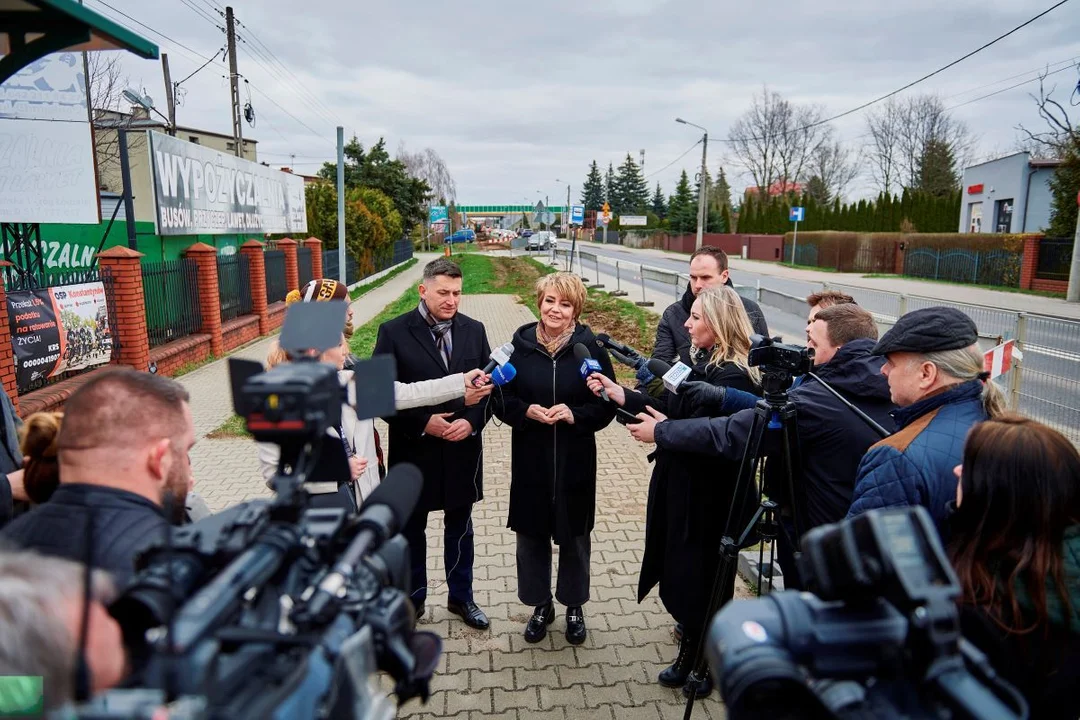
<point x="936" y="376"/>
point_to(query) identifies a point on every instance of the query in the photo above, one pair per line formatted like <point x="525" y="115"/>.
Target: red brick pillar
<point x="205" y="258"/>
<point x="292" y="270"/>
<point x="253" y="251"/>
<point x="7" y="354"/>
<point x="1030" y="261"/>
<point x="125" y="267"/>
<point x="316" y="256"/>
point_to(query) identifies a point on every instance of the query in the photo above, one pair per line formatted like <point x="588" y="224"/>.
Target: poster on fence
<point x="57" y="329"/>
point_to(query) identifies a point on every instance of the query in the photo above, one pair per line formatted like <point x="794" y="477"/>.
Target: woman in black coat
<point x="690" y="494"/>
<point x="555" y="419"/>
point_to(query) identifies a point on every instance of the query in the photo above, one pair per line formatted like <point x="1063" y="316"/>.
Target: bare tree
<point x="107" y="83"/>
<point x="883" y="125"/>
<point x="428" y="166"/>
<point x="834" y="165"/>
<point x="1060" y="133"/>
<point x="775" y="139"/>
<point x="923" y="120"/>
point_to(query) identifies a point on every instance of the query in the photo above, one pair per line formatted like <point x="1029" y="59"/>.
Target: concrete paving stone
<point x="481" y="679"/>
<point x="527" y="698"/>
<point x="607" y="638"/>
<point x="569" y="698"/>
<point x="632" y="674"/>
<point x="465" y="701"/>
<point x="586" y="675"/>
<point x="563" y="656"/>
<point x="524" y="659"/>
<point x="457" y="661"/>
<point x="544" y="677"/>
<point x="647" y="711"/>
<point x="643" y="653"/>
<point x="607" y="696"/>
<point x="505" y="715"/>
<point x="552" y="714"/>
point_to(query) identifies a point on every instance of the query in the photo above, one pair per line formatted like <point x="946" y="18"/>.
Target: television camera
<point x="274" y="608"/>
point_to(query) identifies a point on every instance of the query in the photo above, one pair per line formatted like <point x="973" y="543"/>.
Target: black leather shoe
<point x="676" y="674"/>
<point x="575" y="625"/>
<point x="677" y="632"/>
<point x="473" y="616"/>
<point x="543" y="616"/>
<point x="419" y="610"/>
<point x="704" y="686"/>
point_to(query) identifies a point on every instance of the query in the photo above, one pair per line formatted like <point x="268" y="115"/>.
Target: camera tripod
<point x="774" y="412"/>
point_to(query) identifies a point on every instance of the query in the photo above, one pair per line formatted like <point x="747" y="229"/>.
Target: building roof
<point x="1032" y="162"/>
<point x="779" y="187"/>
<point x="113" y="119"/>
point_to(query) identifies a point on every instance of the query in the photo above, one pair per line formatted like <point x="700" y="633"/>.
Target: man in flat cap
<point x="936" y="376"/>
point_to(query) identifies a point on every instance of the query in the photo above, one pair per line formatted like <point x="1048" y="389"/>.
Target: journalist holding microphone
<point x="555" y="419"/>
<point x="691" y="493"/>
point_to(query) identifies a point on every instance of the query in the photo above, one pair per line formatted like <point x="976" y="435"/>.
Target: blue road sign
<point x="437" y="213"/>
<point x="577" y="214"/>
<point x="798" y="214"/>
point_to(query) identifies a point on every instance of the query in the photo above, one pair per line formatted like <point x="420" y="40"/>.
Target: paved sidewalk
<point x="495" y="673"/>
<point x="943" y="291"/>
<point x="226" y="470"/>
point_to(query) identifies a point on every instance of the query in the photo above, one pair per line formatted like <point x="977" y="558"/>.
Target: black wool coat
<point x="553" y="467"/>
<point x="690" y="496"/>
<point x="453" y="471"/>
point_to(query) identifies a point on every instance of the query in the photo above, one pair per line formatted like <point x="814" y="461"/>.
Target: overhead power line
<point x="684" y="154"/>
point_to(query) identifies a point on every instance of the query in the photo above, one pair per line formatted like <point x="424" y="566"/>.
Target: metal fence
<point x="981" y="267"/>
<point x="96" y="344"/>
<point x="304" y="266"/>
<point x="234" y="286"/>
<point x="276" y="285"/>
<point x="384" y="259"/>
<point x="1055" y="258"/>
<point x="172" y="300"/>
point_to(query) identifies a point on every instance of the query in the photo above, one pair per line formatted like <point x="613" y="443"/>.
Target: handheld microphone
<point x="381" y="517"/>
<point x="588" y="366"/>
<point x="659" y="368"/>
<point x="674" y="377"/>
<point x="499" y="357"/>
<point x="623" y="353"/>
<point x="503" y="375"/>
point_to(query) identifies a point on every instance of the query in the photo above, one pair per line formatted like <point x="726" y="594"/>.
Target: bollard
<point x="618" y="292"/>
<point x="643" y="302"/>
<point x="596" y="264"/>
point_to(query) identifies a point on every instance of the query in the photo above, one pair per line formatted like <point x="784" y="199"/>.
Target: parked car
<point x="541" y="240"/>
<point x="465" y="236"/>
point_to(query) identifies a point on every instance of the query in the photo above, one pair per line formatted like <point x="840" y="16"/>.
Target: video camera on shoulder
<point x="881" y="638"/>
<point x="274" y="608"/>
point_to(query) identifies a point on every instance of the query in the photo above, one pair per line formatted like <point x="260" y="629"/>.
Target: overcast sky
<point x="515" y="95"/>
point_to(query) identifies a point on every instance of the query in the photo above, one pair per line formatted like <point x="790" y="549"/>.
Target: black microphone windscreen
<point x="581" y="352"/>
<point x="399" y="490"/>
<point x="658" y="367"/>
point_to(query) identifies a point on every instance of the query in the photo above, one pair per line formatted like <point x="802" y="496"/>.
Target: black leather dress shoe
<point x="536" y="630"/>
<point x="575" y="625"/>
<point x="473" y="616"/>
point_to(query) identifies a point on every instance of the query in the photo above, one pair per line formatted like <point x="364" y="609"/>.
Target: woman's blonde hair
<point x="724" y="314"/>
<point x="566" y="285"/>
<point x="38" y="443"/>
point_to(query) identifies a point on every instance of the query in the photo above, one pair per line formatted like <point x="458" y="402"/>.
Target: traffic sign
<point x="437" y="213"/>
<point x="798" y="214"/>
<point x="606" y="215"/>
<point x="577" y="214"/>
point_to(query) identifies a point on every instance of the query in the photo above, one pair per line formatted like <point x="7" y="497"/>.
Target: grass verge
<point x="231" y="428"/>
<point x="365" y="289"/>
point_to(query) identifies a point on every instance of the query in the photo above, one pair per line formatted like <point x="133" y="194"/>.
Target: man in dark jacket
<point x="123" y="449"/>
<point x="443" y="441"/>
<point x="936" y="376"/>
<point x="11" y="460"/>
<point x="708" y="268"/>
<point x="832" y="438"/>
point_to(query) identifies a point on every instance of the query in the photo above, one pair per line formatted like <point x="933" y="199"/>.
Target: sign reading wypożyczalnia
<point x="200" y="191"/>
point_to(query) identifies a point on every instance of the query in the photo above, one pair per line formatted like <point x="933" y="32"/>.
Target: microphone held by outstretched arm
<point x="502" y="375"/>
<point x="499" y="357"/>
<point x="623" y="353"/>
<point x="587" y="365"/>
<point x="659" y="368"/>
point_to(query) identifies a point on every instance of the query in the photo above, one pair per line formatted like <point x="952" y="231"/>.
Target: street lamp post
<point x="703" y="185"/>
<point x="566" y="223"/>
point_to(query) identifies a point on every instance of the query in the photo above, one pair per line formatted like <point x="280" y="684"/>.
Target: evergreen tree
<point x="609" y="189"/>
<point x="721" y="191"/>
<point x="936" y="169"/>
<point x="630" y="191"/>
<point x="659" y="204"/>
<point x="725" y="219"/>
<point x="746" y="215"/>
<point x="682" y="212"/>
<point x="817" y="189"/>
<point x="592" y="192"/>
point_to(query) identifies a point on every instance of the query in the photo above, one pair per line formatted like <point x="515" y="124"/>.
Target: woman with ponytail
<point x="41" y="473"/>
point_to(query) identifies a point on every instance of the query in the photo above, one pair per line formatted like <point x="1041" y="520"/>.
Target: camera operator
<point x="123" y="448"/>
<point x="689" y="490"/>
<point x="936" y="376"/>
<point x="708" y="268"/>
<point x="42" y="603"/>
<point x="833" y="439"/>
<point x="1016" y="551"/>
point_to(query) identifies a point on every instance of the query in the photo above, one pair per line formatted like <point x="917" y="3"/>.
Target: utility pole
<point x="1073" y="292"/>
<point x="341" y="204"/>
<point x="703" y="192"/>
<point x="234" y="83"/>
<point x="170" y="94"/>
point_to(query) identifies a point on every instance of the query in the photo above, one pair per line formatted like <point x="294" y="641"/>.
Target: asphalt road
<point x="1050" y="388"/>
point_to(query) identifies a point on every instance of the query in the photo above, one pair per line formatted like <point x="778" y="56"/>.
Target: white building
<point x="1007" y="195"/>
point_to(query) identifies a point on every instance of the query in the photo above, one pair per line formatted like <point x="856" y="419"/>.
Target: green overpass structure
<point x="488" y="210"/>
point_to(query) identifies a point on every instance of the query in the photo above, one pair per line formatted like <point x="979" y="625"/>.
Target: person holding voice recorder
<point x="690" y="493"/>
